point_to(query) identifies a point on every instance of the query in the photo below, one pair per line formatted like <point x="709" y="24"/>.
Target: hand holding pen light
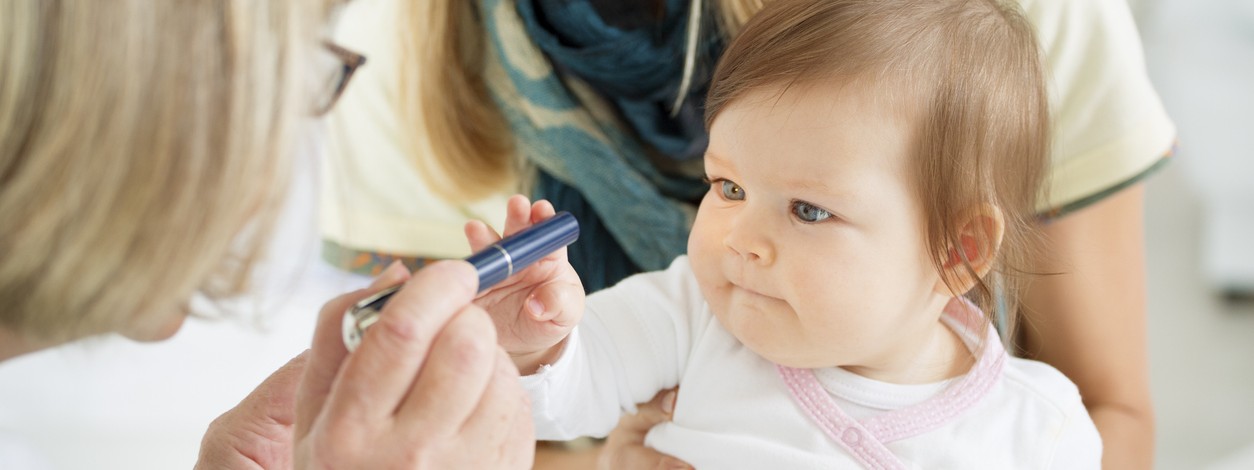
<point x="496" y="262"/>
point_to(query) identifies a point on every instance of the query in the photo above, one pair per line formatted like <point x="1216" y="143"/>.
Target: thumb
<point x="275" y="398"/>
<point x="654" y="412"/>
<point x="328" y="351"/>
<point x="625" y="446"/>
<point x="559" y="302"/>
<point x="258" y="431"/>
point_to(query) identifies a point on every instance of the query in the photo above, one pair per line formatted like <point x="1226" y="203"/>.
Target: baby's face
<point x="810" y="244"/>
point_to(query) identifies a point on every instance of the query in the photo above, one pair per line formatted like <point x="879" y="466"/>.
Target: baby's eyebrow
<point x="810" y="185"/>
<point x="715" y="157"/>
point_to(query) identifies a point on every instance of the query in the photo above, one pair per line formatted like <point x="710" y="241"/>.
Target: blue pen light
<point x="515" y="252"/>
<point x="494" y="264"/>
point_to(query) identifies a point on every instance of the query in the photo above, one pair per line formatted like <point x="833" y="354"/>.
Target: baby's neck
<point x="940" y="354"/>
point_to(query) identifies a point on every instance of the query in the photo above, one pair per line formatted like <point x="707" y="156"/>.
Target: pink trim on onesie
<point x="867" y="439"/>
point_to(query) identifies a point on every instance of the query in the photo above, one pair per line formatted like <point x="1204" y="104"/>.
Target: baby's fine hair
<point x="969" y="72"/>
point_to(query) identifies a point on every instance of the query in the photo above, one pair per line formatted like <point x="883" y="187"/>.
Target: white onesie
<point x="737" y="410"/>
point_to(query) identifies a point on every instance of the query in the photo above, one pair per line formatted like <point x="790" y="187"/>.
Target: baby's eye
<point x="809" y="213"/>
<point x="732" y="191"/>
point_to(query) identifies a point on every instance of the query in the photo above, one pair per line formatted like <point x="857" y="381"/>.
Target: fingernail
<point x="668" y="402"/>
<point x="536" y="306"/>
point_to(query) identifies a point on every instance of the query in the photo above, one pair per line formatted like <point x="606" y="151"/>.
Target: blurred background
<point x="1200" y="221"/>
<point x="111" y="403"/>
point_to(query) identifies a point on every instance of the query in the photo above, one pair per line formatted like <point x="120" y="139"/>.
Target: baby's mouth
<point x="750" y="291"/>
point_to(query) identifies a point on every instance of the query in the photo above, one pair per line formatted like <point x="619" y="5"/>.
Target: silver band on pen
<point x="509" y="260"/>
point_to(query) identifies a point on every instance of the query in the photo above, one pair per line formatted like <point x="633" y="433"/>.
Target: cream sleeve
<point x="1110" y="127"/>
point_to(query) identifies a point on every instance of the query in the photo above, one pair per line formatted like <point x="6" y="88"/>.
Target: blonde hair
<point x="970" y="70"/>
<point x="733" y="14"/>
<point x="444" y="99"/>
<point x="445" y="102"/>
<point x="137" y="140"/>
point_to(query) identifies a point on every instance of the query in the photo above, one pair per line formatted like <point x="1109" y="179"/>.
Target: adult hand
<point x="624" y="448"/>
<point x="426" y="388"/>
<point x="257" y="433"/>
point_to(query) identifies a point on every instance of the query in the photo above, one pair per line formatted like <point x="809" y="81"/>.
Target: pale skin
<point x="822" y="240"/>
<point x="1089" y="322"/>
<point x="865" y="273"/>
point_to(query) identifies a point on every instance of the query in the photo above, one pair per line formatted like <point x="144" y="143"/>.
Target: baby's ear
<point x="979" y="236"/>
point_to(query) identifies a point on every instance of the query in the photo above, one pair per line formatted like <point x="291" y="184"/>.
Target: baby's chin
<point x="782" y="351"/>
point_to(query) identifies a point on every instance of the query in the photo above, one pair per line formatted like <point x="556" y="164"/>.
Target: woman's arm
<point x="1089" y="321"/>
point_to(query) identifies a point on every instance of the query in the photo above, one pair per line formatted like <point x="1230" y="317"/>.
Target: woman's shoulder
<point x="1109" y="125"/>
<point x="1075" y="30"/>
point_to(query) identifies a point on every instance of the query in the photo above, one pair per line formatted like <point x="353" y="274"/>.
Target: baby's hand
<point x="534" y="310"/>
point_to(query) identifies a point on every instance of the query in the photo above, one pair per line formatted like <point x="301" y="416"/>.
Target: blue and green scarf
<point x="589" y="105"/>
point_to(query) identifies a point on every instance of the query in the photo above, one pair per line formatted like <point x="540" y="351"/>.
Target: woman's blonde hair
<point x="137" y="140"/>
<point x="444" y="99"/>
<point x="970" y="71"/>
<point x="468" y="152"/>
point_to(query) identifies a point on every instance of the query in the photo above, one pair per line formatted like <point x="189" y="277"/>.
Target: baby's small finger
<point x="517" y="214"/>
<point x="394" y="274"/>
<point x="541" y="210"/>
<point x="480" y="235"/>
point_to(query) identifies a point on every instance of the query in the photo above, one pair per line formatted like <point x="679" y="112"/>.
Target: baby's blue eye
<point x="732" y="192"/>
<point x="809" y="213"/>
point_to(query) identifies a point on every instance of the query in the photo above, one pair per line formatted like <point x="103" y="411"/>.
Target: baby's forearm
<point x="529" y="363"/>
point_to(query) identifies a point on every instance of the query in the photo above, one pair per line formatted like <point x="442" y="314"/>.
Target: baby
<point x="873" y="169"/>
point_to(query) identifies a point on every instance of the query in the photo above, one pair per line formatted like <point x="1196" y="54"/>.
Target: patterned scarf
<point x="599" y="153"/>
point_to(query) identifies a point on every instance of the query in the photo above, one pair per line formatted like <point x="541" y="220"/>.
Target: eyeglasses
<point x="332" y="86"/>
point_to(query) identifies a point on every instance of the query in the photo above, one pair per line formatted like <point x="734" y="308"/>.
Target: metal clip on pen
<point x="494" y="264"/>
